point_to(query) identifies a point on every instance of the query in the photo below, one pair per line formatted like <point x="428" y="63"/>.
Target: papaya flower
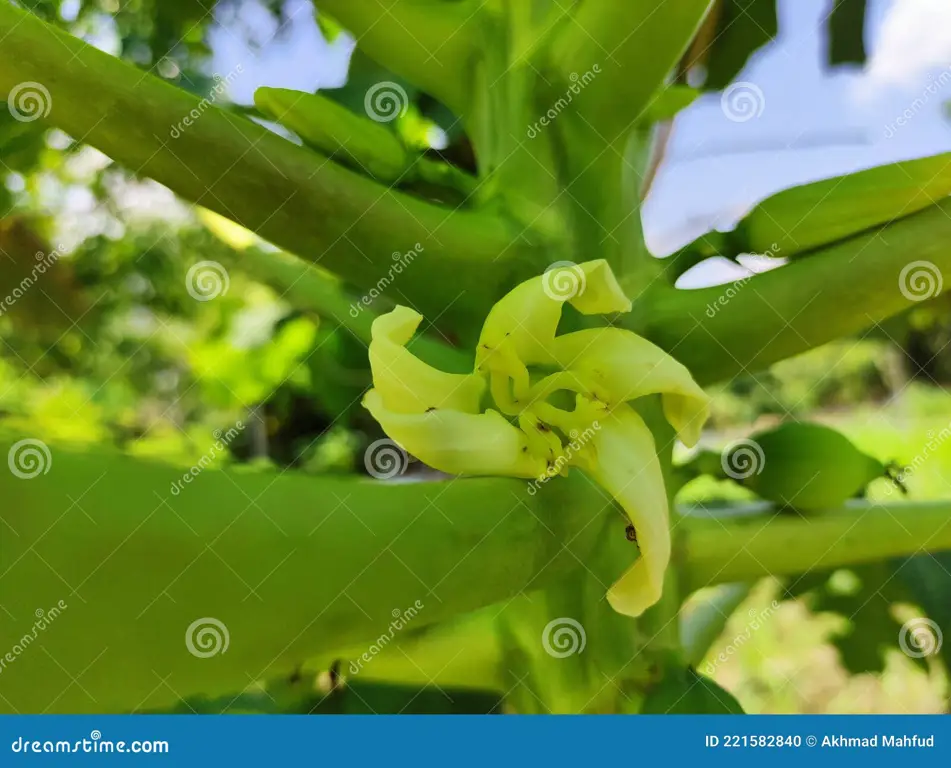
<point x="538" y="403"/>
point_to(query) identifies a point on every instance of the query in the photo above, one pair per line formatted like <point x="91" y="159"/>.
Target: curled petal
<point x="525" y="320"/>
<point x="617" y="365"/>
<point x="459" y="443"/>
<point x="624" y="462"/>
<point x="404" y="382"/>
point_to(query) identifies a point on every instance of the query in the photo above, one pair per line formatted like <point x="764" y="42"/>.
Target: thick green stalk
<point x="289" y="195"/>
<point x="840" y="290"/>
<point x="293" y="566"/>
<point x="636" y="44"/>
<point x="747" y="547"/>
<point x="430" y="43"/>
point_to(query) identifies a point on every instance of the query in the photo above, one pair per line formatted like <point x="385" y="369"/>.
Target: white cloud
<point x="915" y="39"/>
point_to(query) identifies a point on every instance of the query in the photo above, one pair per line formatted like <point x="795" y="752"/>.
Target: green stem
<point x="294" y="566"/>
<point x="289" y="195"/>
<point x="703" y="623"/>
<point x="431" y="44"/>
<point x="747" y="547"/>
<point x="748" y="325"/>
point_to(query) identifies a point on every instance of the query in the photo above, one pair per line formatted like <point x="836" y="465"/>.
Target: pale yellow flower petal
<point x="459" y="443"/>
<point x="618" y="366"/>
<point x="624" y="462"/>
<point x="525" y="320"/>
<point x="407" y="384"/>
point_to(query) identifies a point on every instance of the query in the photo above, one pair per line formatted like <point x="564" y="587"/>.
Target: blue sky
<point x="812" y="124"/>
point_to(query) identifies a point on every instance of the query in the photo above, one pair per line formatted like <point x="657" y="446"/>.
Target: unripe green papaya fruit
<point x="801" y="465"/>
<point x="334" y="130"/>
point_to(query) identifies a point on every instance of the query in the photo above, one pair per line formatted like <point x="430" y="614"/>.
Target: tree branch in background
<point x="746" y="547"/>
<point x="725" y="330"/>
<point x="315" y="208"/>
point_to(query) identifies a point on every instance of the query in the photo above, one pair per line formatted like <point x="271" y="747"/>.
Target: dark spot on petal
<point x="542" y="427"/>
<point x="631" y="533"/>
<point x="430" y="409"/>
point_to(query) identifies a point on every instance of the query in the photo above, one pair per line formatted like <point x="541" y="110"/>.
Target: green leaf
<point x="743" y="27"/>
<point x="683" y="691"/>
<point x="847" y="32"/>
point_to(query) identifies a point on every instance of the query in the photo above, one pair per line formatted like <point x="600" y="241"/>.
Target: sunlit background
<point x="111" y="347"/>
